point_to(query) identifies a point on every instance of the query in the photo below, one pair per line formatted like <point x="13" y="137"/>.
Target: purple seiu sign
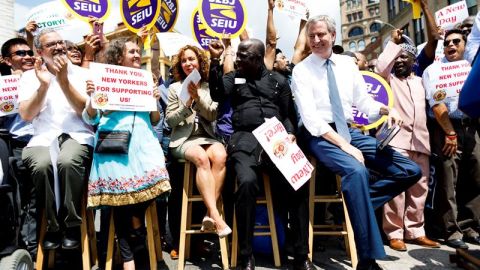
<point x="379" y="89"/>
<point x="138" y="13"/>
<point x="224" y="16"/>
<point x="168" y="15"/>
<point x="86" y="8"/>
<point x="200" y="31"/>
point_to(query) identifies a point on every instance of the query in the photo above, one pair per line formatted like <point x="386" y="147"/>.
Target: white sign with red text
<point x="293" y="8"/>
<point x="9" y="94"/>
<point x="452" y="15"/>
<point x="286" y="155"/>
<point x="120" y="88"/>
<point x="447" y="81"/>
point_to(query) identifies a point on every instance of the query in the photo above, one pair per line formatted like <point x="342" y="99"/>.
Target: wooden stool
<point x="186" y="226"/>
<point x="153" y="237"/>
<point x="88" y="241"/>
<point x="345" y="229"/>
<point x="272" y="228"/>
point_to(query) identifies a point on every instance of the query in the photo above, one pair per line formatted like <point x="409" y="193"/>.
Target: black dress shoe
<point x="472" y="240"/>
<point x="52" y="241"/>
<point x="71" y="240"/>
<point x="247" y="264"/>
<point x="456" y="243"/>
<point x="304" y="265"/>
<point x="368" y="265"/>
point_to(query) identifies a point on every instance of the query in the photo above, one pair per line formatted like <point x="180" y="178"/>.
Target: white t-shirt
<point x="56" y="116"/>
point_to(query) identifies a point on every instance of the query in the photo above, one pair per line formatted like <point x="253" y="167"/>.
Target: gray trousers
<point x="73" y="161"/>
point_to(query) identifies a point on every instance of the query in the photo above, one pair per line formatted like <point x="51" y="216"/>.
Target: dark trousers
<point x="248" y="170"/>
<point x="457" y="195"/>
<point x="397" y="173"/>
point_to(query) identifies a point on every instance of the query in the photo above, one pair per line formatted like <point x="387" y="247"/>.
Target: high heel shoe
<point x="224" y="232"/>
<point x="208" y="224"/>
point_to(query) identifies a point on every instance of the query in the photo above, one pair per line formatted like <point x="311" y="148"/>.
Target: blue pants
<point x="362" y="194"/>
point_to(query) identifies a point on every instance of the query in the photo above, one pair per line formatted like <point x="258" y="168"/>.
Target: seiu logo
<point x="225" y="11"/>
<point x="139" y="10"/>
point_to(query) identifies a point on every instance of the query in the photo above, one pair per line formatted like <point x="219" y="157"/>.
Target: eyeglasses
<point x="54" y="43"/>
<point x="456" y="41"/>
<point x="23" y="53"/>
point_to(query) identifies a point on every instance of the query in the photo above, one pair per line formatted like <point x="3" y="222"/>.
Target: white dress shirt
<point x="57" y="115"/>
<point x="310" y="90"/>
<point x="473" y="40"/>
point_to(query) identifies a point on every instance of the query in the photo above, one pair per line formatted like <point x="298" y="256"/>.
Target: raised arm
<point x="432" y="31"/>
<point x="301" y="50"/>
<point x="271" y="38"/>
<point x="386" y="59"/>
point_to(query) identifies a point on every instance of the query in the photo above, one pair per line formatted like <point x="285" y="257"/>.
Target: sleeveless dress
<point x="120" y="179"/>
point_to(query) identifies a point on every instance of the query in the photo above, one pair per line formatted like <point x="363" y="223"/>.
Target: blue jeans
<point x="362" y="194"/>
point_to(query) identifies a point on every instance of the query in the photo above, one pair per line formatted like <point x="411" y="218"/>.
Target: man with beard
<point x="404" y="215"/>
<point x="52" y="96"/>
<point x="454" y="141"/>
<point x="257" y="94"/>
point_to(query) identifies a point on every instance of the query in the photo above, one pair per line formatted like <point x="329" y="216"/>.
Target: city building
<point x="7" y="31"/>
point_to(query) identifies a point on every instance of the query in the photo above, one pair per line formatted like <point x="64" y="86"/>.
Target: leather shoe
<point x="52" y="241"/>
<point x="71" y="240"/>
<point x="456" y="243"/>
<point x="247" y="264"/>
<point x="304" y="265"/>
<point x="397" y="244"/>
<point x="424" y="242"/>
<point x="472" y="240"/>
<point x="368" y="265"/>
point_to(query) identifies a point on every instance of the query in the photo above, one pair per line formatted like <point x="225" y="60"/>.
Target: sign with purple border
<point x="138" y="13"/>
<point x="380" y="90"/>
<point x="168" y="15"/>
<point x="83" y="9"/>
<point x="224" y="16"/>
<point x="200" y="31"/>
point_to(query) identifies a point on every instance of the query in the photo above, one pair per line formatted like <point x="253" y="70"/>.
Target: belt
<point x="335" y="127"/>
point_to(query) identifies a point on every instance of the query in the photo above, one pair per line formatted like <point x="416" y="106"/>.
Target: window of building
<point x="354" y="16"/>
<point x="361" y="45"/>
<point x="353" y="46"/>
<point x="375" y="27"/>
<point x="372" y="12"/>
<point x="418" y="28"/>
<point x="372" y="1"/>
<point x="349" y="17"/>
<point x="373" y="39"/>
<point x="402" y="5"/>
<point x="391" y="9"/>
<point x="355" y="31"/>
<point x="360" y="15"/>
<point x="377" y="11"/>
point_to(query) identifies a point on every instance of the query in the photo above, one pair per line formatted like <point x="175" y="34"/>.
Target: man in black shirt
<point x="257" y="94"/>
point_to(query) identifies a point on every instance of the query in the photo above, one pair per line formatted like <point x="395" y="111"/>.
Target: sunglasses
<point x="23" y="53"/>
<point x="456" y="41"/>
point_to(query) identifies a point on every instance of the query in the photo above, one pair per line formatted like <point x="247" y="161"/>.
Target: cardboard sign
<point x="200" y="31"/>
<point x="452" y="15"/>
<point x="120" y="88"/>
<point x="138" y="13"/>
<point x="50" y="16"/>
<point x="83" y="9"/>
<point x="287" y="156"/>
<point x="447" y="80"/>
<point x="9" y="94"/>
<point x="380" y="90"/>
<point x="224" y="16"/>
<point x="168" y="15"/>
<point x="194" y="77"/>
<point x="293" y="8"/>
<point x="171" y="42"/>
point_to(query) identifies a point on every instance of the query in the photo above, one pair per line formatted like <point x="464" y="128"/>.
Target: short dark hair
<point x="10" y="43"/>
<point x="456" y="31"/>
<point x="277" y="51"/>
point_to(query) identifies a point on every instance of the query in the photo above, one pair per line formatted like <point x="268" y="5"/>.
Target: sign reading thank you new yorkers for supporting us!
<point x="380" y="90"/>
<point x="83" y="9"/>
<point x="120" y="88"/>
<point x="9" y="94"/>
<point x="168" y="15"/>
<point x="224" y="16"/>
<point x="138" y="13"/>
<point x="200" y="31"/>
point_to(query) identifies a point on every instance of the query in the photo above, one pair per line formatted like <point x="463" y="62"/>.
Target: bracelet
<point x="451" y="137"/>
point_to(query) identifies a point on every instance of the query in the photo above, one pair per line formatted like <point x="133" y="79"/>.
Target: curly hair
<point x="115" y="50"/>
<point x="203" y="63"/>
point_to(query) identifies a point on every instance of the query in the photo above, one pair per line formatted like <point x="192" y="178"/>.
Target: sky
<point x="287" y="28"/>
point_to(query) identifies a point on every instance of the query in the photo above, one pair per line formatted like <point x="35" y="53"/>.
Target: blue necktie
<point x="336" y="104"/>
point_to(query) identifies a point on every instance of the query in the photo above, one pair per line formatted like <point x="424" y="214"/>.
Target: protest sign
<point x="452" y="15"/>
<point x="122" y="88"/>
<point x="380" y="90"/>
<point x="139" y="13"/>
<point x="293" y="8"/>
<point x="50" y="16"/>
<point x="286" y="155"/>
<point x="9" y="94"/>
<point x="446" y="80"/>
<point x="168" y="16"/>
<point x="200" y="31"/>
<point x="171" y="42"/>
<point x="82" y="9"/>
<point x="224" y="16"/>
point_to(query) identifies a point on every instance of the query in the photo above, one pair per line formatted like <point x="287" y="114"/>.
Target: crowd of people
<point x="54" y="152"/>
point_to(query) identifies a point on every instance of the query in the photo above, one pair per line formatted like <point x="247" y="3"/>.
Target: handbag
<point x="114" y="141"/>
